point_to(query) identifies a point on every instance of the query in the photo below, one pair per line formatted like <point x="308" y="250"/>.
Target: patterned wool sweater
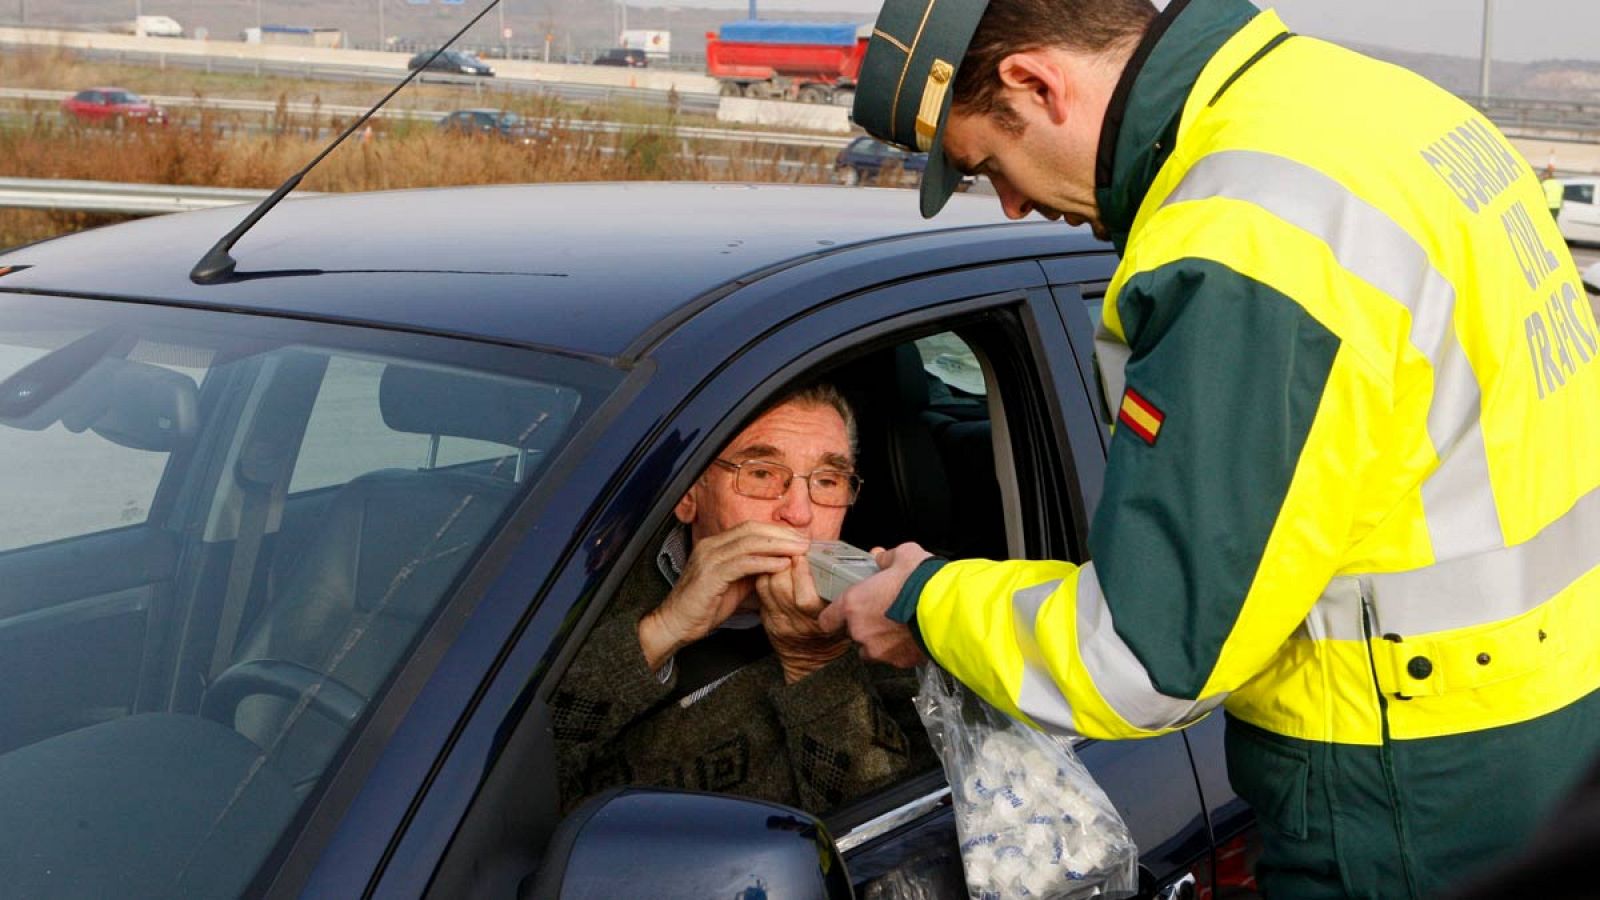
<point x="724" y="720"/>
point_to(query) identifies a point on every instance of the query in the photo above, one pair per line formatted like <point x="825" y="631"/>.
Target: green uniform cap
<point x="903" y="92"/>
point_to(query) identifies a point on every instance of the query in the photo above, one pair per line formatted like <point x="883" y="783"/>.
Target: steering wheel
<point x="328" y="696"/>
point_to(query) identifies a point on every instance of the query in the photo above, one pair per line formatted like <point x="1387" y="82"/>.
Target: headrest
<point x="523" y="414"/>
<point x="910" y="380"/>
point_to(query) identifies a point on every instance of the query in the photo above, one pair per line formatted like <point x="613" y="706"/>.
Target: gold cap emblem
<point x="933" y="92"/>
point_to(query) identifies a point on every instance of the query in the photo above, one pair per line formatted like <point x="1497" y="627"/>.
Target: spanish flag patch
<point x="1140" y="416"/>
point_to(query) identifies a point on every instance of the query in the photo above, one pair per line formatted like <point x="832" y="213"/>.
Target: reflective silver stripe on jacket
<point x="1457" y="500"/>
<point x="1111" y="355"/>
<point x="1117" y="674"/>
<point x="1038" y="697"/>
<point x="1459" y="593"/>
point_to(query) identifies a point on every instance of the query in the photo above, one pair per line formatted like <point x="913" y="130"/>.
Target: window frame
<point x="832" y="331"/>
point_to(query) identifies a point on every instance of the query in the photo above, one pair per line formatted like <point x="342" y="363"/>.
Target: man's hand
<point x="717" y="577"/>
<point x="789" y="610"/>
<point x="863" y="608"/>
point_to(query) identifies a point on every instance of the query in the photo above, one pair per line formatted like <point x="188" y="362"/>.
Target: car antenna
<point x="218" y="263"/>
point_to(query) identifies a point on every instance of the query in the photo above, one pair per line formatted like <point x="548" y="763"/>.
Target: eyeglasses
<point x="769" y="481"/>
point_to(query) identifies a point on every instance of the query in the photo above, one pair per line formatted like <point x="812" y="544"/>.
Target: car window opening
<point x="926" y="454"/>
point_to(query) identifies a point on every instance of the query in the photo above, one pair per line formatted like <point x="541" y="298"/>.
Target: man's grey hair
<point x="820" y="393"/>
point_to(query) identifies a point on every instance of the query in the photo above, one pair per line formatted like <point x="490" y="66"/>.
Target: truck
<point x="656" y="44"/>
<point x="809" y="62"/>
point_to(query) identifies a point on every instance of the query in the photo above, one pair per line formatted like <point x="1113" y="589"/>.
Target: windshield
<point x="123" y="97"/>
<point x="510" y="120"/>
<point x="223" y="536"/>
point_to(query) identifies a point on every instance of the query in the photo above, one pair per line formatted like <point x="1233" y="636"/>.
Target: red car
<point x="111" y="104"/>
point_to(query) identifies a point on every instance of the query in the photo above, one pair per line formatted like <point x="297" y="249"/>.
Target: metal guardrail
<point x="1551" y="119"/>
<point x="124" y="199"/>
<point x="268" y="107"/>
<point x="1580" y="114"/>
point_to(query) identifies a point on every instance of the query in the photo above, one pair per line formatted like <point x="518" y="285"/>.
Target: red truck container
<point x="805" y="61"/>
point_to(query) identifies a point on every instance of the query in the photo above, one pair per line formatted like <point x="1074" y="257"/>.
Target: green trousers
<point x="1407" y="819"/>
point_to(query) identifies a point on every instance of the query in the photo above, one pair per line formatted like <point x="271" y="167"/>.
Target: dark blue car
<point x="292" y="562"/>
<point x="495" y="123"/>
<point x="868" y="159"/>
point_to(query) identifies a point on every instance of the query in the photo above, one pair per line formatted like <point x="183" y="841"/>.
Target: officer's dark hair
<point x="1013" y="26"/>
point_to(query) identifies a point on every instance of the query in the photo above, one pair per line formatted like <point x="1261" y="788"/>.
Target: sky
<point x="1522" y="31"/>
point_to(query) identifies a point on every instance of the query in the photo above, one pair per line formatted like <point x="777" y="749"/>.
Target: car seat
<point x="928" y="476"/>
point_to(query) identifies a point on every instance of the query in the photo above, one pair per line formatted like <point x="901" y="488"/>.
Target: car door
<point x="1008" y="319"/>
<point x="1580" y="212"/>
<point x="1078" y="286"/>
<point x="92" y="105"/>
<point x="1053" y="430"/>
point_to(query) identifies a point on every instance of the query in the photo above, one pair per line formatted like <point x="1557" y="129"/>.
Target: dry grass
<point x="231" y="150"/>
<point x="211" y="148"/>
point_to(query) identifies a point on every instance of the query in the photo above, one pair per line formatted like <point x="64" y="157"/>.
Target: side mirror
<point x="632" y="842"/>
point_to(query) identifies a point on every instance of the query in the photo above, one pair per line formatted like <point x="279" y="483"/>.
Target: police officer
<point x="1353" y="494"/>
<point x="1555" y="193"/>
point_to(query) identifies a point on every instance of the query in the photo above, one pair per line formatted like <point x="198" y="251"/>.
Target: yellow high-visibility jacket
<point x="1353" y="494"/>
<point x="1555" y="194"/>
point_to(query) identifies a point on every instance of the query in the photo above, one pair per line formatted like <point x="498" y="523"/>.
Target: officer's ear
<point x="1038" y="82"/>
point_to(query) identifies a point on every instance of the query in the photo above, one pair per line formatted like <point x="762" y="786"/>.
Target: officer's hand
<point x="716" y="579"/>
<point x="862" y="609"/>
<point x="789" y="610"/>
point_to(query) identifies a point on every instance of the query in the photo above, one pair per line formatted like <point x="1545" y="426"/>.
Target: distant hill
<point x="1574" y="80"/>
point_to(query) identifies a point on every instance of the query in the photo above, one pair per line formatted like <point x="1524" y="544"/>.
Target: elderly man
<point x="709" y="671"/>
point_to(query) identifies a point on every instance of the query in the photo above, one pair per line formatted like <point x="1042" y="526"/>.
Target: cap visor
<point x="939" y="179"/>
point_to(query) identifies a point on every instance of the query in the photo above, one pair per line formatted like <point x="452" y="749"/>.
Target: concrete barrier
<point x="1569" y="158"/>
<point x="610" y="76"/>
<point x="92" y="40"/>
<point x="782" y="114"/>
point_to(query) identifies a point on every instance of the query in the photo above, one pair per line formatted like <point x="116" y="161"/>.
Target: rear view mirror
<point x="26" y="396"/>
<point x="632" y="842"/>
<point x="147" y="407"/>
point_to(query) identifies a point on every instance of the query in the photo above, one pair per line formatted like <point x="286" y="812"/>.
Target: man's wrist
<point x="904" y="608"/>
<point x="657" y="641"/>
<point x="797" y="665"/>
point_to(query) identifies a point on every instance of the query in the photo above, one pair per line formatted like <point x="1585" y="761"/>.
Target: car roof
<point x="586" y="268"/>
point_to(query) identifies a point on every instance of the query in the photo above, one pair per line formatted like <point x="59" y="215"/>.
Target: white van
<point x="1580" y="210"/>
